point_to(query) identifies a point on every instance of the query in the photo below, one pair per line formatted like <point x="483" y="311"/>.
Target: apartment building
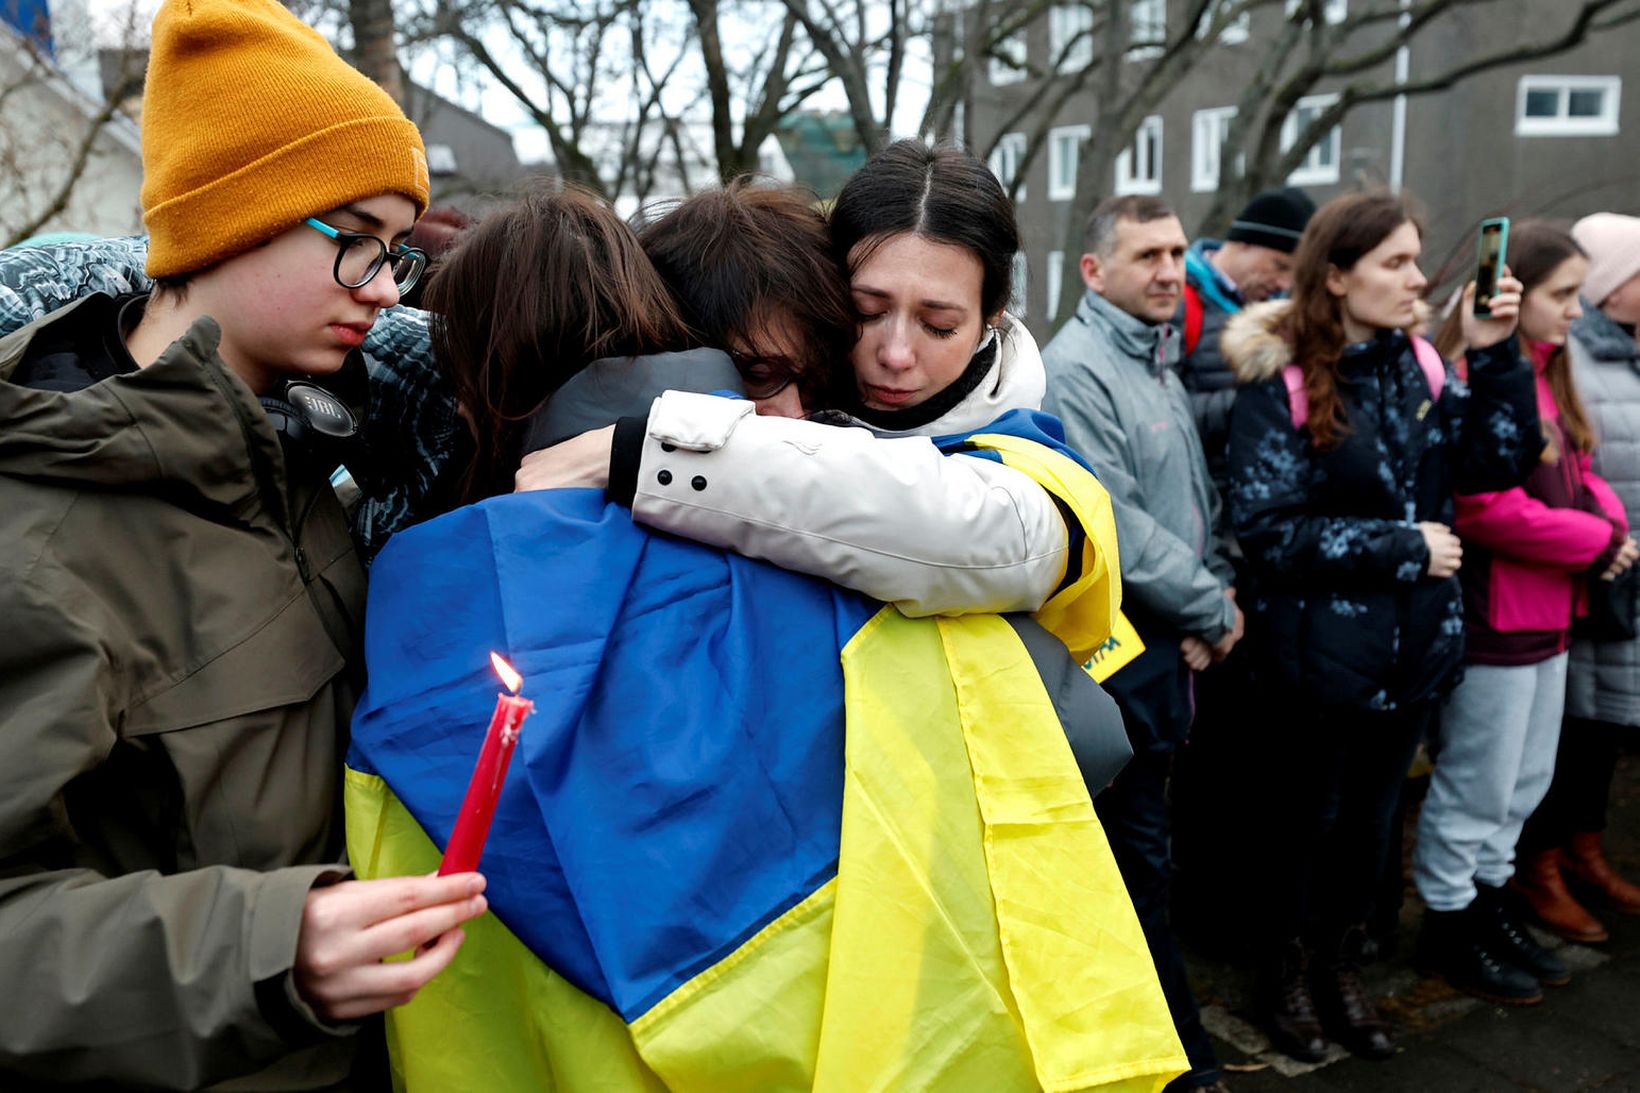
<point x="1539" y="138"/>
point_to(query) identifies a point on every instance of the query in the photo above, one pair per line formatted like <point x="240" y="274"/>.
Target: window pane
<point x="1542" y="103"/>
<point x="1583" y="103"/>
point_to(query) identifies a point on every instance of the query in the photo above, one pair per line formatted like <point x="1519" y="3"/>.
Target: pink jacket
<point x="1535" y="541"/>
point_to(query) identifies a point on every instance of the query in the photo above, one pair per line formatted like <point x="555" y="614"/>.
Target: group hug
<point x="856" y="639"/>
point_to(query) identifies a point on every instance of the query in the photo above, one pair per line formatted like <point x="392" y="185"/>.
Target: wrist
<point x="625" y="458"/>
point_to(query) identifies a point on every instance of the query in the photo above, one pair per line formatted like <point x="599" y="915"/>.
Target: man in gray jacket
<point x="1111" y="381"/>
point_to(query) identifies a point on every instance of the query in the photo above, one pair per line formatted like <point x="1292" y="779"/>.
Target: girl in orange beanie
<point x="182" y="600"/>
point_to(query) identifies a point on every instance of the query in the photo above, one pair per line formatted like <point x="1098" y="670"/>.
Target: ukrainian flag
<point x="760" y="834"/>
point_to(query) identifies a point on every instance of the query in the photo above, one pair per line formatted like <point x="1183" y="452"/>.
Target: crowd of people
<point x="810" y="559"/>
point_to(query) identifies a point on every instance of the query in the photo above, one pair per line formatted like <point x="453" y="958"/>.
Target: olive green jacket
<point x="177" y="624"/>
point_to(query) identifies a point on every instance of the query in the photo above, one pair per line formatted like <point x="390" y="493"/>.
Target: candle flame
<point x="508" y="676"/>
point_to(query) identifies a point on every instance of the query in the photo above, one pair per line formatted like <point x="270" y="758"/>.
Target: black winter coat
<point x="1204" y="371"/>
<point x="1343" y="612"/>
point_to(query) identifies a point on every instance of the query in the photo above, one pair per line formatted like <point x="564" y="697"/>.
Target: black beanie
<point x="1274" y="219"/>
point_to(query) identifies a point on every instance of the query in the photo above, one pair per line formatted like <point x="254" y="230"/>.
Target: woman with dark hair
<point x="749" y="266"/>
<point x="1348" y="440"/>
<point x="928" y="238"/>
<point x="1529" y="549"/>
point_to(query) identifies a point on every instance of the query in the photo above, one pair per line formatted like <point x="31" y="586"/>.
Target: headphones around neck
<point x="315" y="428"/>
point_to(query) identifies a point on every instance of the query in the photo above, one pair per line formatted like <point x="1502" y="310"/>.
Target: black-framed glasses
<point x="359" y="257"/>
<point x="764" y="376"/>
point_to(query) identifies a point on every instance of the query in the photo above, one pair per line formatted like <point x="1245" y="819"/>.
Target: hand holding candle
<point x="484" y="790"/>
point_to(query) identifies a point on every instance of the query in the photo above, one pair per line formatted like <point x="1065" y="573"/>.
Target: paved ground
<point x="1585" y="1036"/>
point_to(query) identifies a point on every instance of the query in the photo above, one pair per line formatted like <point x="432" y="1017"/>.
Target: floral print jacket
<point x="1344" y="612"/>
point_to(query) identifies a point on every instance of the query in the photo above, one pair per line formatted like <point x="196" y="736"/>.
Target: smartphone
<point x="1489" y="263"/>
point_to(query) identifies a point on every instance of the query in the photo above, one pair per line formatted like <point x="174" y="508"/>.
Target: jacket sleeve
<point x="894" y="519"/>
<point x="1271" y="507"/>
<point x="1498" y="438"/>
<point x="1212" y="412"/>
<point x="35" y="281"/>
<point x="140" y="979"/>
<point x="1604" y="495"/>
<point x="410" y="427"/>
<point x="1512" y="524"/>
<point x="1160" y="571"/>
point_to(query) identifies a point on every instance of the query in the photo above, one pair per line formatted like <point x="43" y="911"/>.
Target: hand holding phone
<point x="1493" y="251"/>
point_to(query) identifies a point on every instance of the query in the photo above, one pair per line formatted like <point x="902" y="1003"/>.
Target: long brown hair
<point x="1536" y="250"/>
<point x="529" y="297"/>
<point x="1339" y="234"/>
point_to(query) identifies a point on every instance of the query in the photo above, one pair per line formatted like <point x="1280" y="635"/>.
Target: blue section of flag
<point x="679" y="785"/>
<point x="1036" y="425"/>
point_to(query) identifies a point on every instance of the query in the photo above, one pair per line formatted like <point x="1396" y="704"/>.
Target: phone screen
<point x="1489" y="265"/>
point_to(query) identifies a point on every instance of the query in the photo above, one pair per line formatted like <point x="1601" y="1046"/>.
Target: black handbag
<point x="1612" y="608"/>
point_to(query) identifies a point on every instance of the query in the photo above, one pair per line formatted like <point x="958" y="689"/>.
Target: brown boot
<point x="1583" y="861"/>
<point x="1538" y="879"/>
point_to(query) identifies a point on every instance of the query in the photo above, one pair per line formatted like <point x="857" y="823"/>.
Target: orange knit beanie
<point x="250" y="124"/>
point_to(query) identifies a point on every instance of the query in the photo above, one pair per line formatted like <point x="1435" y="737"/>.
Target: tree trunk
<point x="375" y="45"/>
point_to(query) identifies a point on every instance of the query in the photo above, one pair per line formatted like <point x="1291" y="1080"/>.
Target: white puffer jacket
<point x="888" y="515"/>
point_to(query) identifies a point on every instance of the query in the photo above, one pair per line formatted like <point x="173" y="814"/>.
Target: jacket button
<point x="698" y="482"/>
<point x="669" y="448"/>
<point x="664" y="478"/>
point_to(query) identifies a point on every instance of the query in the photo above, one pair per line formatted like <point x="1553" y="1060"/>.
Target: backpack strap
<point x="1297" y="398"/>
<point x="1193" y="314"/>
<point x="1434" y="368"/>
<point x="1429" y="362"/>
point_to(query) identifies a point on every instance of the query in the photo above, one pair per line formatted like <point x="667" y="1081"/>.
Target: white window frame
<point x="1016" y="46"/>
<point x="1019" y="300"/>
<point x="1564" y="125"/>
<point x="1057" y="137"/>
<point x="441" y="159"/>
<point x="1208" y="128"/>
<point x="1128" y="181"/>
<point x="1234" y="33"/>
<point x="1149" y="16"/>
<point x="1335" y="12"/>
<point x="1066" y="21"/>
<point x="1006" y="158"/>
<point x="1053" y="281"/>
<point x="1313" y="172"/>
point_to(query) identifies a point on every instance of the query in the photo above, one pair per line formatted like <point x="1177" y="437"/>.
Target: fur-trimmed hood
<point x="1253" y="344"/>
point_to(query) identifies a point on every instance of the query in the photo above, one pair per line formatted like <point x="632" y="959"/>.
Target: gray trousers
<point x="1498" y="737"/>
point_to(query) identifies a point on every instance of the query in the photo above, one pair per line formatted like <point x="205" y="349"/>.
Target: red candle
<point x="478" y="807"/>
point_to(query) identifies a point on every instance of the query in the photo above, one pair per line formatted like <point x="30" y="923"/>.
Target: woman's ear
<point x="1335" y="281"/>
<point x="990" y="324"/>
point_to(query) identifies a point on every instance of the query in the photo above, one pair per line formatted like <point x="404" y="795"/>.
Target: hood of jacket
<point x="181" y="426"/>
<point x="1015" y="381"/>
<point x="615" y="387"/>
<point x="1199" y="268"/>
<point x="1603" y="337"/>
<point x="1253" y="343"/>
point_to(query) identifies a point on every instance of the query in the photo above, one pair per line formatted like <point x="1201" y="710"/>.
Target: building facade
<point x="1537" y="138"/>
